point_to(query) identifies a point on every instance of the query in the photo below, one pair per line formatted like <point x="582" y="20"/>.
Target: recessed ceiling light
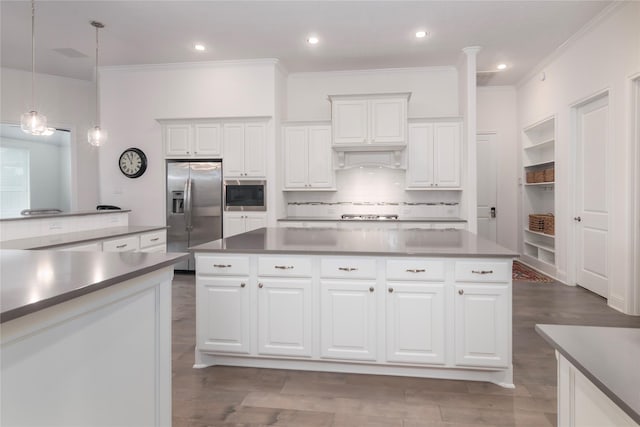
<point x="313" y="40"/>
<point x="421" y="34"/>
<point x="501" y="66"/>
<point x="199" y="47"/>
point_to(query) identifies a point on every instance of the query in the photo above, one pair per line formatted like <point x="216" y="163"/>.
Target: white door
<point x="350" y="121"/>
<point x="284" y="317"/>
<point x="592" y="208"/>
<point x="254" y="221"/>
<point x="487" y="186"/>
<point x="233" y="164"/>
<point x="207" y="140"/>
<point x="415" y="322"/>
<point x="233" y="224"/>
<point x="255" y="138"/>
<point x="295" y="157"/>
<point x="348" y="320"/>
<point x="446" y="137"/>
<point x="177" y="139"/>
<point x="420" y="161"/>
<point x="223" y="315"/>
<point x="387" y="121"/>
<point x="319" y="156"/>
<point x="481" y="316"/>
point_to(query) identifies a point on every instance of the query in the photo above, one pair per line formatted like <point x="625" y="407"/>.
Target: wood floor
<point x="226" y="396"/>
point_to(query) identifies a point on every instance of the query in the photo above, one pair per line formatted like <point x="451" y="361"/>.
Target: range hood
<point x="351" y="158"/>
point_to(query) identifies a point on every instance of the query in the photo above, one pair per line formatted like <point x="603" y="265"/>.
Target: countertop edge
<point x="406" y="220"/>
<point x="195" y="249"/>
<point x="631" y="412"/>
<point x="78" y="292"/>
<point x="67" y="214"/>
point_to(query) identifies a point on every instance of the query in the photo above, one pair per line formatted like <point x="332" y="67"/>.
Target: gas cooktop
<point x="370" y="217"/>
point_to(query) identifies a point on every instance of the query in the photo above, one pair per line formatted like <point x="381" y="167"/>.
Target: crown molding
<point x="194" y="65"/>
<point x="372" y="71"/>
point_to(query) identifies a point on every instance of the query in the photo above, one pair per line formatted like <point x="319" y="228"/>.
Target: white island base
<point x="435" y="317"/>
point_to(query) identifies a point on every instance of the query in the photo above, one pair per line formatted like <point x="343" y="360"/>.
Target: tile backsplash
<point x="373" y="190"/>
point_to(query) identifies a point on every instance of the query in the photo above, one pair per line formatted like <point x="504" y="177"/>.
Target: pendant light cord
<point x="33" y="55"/>
<point x="97" y="99"/>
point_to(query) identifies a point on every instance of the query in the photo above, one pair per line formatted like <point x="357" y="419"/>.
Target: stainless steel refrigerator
<point x="194" y="206"/>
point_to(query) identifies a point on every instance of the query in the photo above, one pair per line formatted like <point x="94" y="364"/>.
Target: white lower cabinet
<point x="348" y="319"/>
<point x="223" y="313"/>
<point x="482" y="325"/>
<point x="284" y="317"/>
<point x="241" y="222"/>
<point x="415" y="322"/>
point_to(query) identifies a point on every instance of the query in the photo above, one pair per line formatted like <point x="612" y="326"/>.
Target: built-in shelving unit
<point x="538" y="156"/>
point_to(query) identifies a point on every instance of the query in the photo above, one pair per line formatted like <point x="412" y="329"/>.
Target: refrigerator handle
<point x="190" y="204"/>
<point x="186" y="204"/>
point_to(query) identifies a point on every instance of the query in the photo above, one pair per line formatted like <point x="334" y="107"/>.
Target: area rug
<point x="526" y="274"/>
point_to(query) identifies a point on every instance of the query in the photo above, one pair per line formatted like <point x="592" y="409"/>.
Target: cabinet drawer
<point x="125" y="244"/>
<point x="284" y="266"/>
<point x="354" y="268"/>
<point x="415" y="269"/>
<point x="222" y="265"/>
<point x="153" y="239"/>
<point x="473" y="271"/>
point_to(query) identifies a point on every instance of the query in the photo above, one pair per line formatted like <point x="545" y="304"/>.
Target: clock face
<point x="133" y="162"/>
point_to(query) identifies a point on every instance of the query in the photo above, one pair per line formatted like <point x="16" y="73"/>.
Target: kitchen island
<point x="85" y="337"/>
<point x="426" y="303"/>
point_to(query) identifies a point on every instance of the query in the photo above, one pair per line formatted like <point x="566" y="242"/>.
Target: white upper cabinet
<point x="308" y="158"/>
<point x="244" y="147"/>
<point x="192" y="139"/>
<point x="434" y="155"/>
<point x="369" y="120"/>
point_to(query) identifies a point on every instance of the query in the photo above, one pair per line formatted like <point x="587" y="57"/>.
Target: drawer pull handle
<point x="222" y="265"/>
<point x="283" y="267"/>
<point x="416" y="270"/>
<point x="155" y="239"/>
<point x="390" y="290"/>
<point x="371" y="289"/>
<point x="260" y="285"/>
<point x="461" y="292"/>
<point x="482" y="271"/>
<point x="347" y="269"/>
<point x="121" y="246"/>
<point x="242" y="285"/>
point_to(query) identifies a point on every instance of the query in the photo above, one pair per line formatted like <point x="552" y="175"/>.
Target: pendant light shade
<point x="96" y="135"/>
<point x="33" y="122"/>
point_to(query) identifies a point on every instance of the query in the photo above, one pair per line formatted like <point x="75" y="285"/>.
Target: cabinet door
<point x="348" y="320"/>
<point x="233" y="224"/>
<point x="320" y="165"/>
<point x="447" y="149"/>
<point x="255" y="149"/>
<point x="207" y="140"/>
<point x="222" y="315"/>
<point x="177" y="139"/>
<point x="233" y="149"/>
<point x="388" y="120"/>
<point x="295" y="157"/>
<point x="420" y="171"/>
<point x="349" y="120"/>
<point x="482" y="325"/>
<point x="255" y="221"/>
<point x="415" y="322"/>
<point x="284" y="317"/>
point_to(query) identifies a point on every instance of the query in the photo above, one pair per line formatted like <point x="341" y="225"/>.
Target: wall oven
<point x="245" y="195"/>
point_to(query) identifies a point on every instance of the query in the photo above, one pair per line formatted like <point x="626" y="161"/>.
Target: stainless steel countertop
<point x="425" y="219"/>
<point x="609" y="357"/>
<point x="62" y="214"/>
<point x="376" y="242"/>
<point x="33" y="280"/>
<point x="56" y="240"/>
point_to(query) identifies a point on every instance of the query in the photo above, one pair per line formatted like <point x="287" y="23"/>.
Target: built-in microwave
<point x="245" y="195"/>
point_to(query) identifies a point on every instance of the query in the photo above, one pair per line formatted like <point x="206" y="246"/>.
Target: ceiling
<point x="353" y="34"/>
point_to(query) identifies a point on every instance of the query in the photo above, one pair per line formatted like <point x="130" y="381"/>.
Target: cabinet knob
<point x="577" y="218"/>
<point x="371" y="289"/>
<point x="260" y="285"/>
<point x="461" y="292"/>
<point x="390" y="290"/>
<point x="195" y="152"/>
<point x="242" y="285"/>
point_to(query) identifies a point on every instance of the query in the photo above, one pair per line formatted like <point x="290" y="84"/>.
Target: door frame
<point x="572" y="260"/>
<point x="495" y="135"/>
<point x="634" y="129"/>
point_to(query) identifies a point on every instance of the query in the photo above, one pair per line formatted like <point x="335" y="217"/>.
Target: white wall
<point x="434" y="90"/>
<point x="604" y="57"/>
<point x="132" y="98"/>
<point x="497" y="112"/>
<point x="68" y="104"/>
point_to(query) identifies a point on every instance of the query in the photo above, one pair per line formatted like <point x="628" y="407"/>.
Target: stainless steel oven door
<point x="245" y="195"/>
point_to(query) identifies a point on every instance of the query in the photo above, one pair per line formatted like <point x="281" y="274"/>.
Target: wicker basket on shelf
<point x="549" y="225"/>
<point x="549" y="174"/>
<point x="542" y="223"/>
<point x="538" y="176"/>
<point x="531" y="177"/>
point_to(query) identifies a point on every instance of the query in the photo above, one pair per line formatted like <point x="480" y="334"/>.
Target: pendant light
<point x="96" y="135"/>
<point x="33" y="122"/>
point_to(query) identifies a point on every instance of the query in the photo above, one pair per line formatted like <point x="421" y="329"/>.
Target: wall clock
<point x="133" y="162"/>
